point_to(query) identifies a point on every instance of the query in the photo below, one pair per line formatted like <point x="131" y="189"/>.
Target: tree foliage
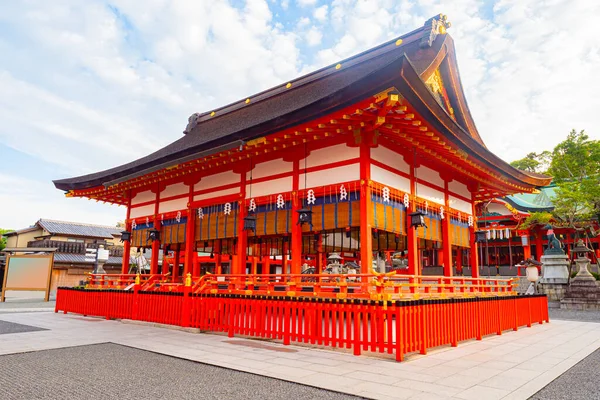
<point x="536" y="218"/>
<point x="574" y="165"/>
<point x="2" y="238"/>
<point x="534" y="162"/>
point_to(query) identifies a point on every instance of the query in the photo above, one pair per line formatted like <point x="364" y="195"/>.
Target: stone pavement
<point x="515" y="365"/>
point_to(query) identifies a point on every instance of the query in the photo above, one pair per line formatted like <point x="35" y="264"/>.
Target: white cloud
<point x="313" y="36"/>
<point x="306" y="3"/>
<point x="320" y="13"/>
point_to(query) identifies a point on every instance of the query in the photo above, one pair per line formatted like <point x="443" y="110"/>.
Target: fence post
<point x="423" y="320"/>
<point x="356" y="331"/>
<point x="186" y="304"/>
<point x="454" y="328"/>
<point x="477" y="305"/>
<point x="136" y="303"/>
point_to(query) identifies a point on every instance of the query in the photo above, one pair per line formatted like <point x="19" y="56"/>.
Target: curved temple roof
<point x="405" y="63"/>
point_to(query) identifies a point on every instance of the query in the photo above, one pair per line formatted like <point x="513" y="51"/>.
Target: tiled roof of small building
<point x="79" y="229"/>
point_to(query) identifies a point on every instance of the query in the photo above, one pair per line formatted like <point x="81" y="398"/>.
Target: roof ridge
<point x="78" y="223"/>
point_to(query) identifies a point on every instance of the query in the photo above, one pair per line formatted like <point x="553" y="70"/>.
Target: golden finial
<point x="212" y="114"/>
<point x="137" y="279"/>
<point x="247" y="101"/>
<point x="398" y="42"/>
<point x="338" y="66"/>
<point x="188" y="279"/>
<point x="289" y="85"/>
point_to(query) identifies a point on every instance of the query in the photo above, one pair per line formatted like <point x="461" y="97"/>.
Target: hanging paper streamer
<point x="426" y="207"/>
<point x="310" y="197"/>
<point x="386" y="194"/>
<point x="162" y="217"/>
<point x="227" y="209"/>
<point x="280" y="201"/>
<point x="200" y="213"/>
<point x="406" y="200"/>
<point x="147" y="222"/>
<point x="133" y="225"/>
<point x="470" y="220"/>
<point x="343" y="193"/>
<point x="252" y="206"/>
<point x="488" y="235"/>
<point x="507" y="233"/>
<point x="442" y="212"/>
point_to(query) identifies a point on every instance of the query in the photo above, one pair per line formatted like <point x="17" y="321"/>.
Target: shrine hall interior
<point x="376" y="158"/>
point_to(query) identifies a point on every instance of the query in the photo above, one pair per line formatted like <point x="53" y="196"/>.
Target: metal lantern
<point x="250" y="223"/>
<point x="480" y="236"/>
<point x="417" y="219"/>
<point x="304" y="216"/>
<point x="153" y="234"/>
<point x="125" y="236"/>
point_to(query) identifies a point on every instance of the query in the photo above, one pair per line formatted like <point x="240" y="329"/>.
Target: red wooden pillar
<point x="412" y="239"/>
<point x="539" y="246"/>
<point x="195" y="265"/>
<point x="190" y="239"/>
<point x="176" y="263"/>
<point x="165" y="265"/>
<point x="155" y="250"/>
<point x="217" y="255"/>
<point x="296" y="245"/>
<point x="284" y="259"/>
<point x="366" y="209"/>
<point x="525" y="239"/>
<point x="126" y="252"/>
<point x="266" y="265"/>
<point x="447" y="236"/>
<point x="239" y="266"/>
<point x="474" y="257"/>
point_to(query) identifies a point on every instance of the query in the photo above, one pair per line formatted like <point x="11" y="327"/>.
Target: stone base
<point x="555" y="269"/>
<point x="580" y="304"/>
<point x="554" y="291"/>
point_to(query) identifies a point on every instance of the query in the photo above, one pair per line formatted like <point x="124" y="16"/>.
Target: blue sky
<point x="89" y="85"/>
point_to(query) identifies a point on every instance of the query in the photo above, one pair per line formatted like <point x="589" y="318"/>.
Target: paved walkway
<point x="515" y="365"/>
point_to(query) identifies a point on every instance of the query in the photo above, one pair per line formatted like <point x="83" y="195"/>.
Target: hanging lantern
<point x="305" y="216"/>
<point x="125" y="236"/>
<point x="250" y="223"/>
<point x="480" y="236"/>
<point x="153" y="234"/>
<point x="417" y="219"/>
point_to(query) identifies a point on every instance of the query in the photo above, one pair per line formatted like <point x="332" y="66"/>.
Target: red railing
<point x="394" y="327"/>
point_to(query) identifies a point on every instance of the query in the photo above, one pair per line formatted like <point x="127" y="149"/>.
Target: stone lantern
<point x="582" y="262"/>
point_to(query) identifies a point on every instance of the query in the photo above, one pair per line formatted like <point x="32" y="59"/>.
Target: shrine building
<point x="375" y="157"/>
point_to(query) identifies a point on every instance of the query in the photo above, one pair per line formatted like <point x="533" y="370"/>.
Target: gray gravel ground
<point x="110" y="371"/>
<point x="11" y="327"/>
<point x="581" y="382"/>
<point x="25" y="305"/>
<point x="574" y="315"/>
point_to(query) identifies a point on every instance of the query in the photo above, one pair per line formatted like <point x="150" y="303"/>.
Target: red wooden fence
<point x="398" y="327"/>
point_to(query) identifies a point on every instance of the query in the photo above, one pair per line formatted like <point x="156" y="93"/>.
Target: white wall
<point x="174" y="190"/>
<point x="460" y="205"/>
<point x="332" y="175"/>
<point x="173" y="205"/>
<point x="143" y="197"/>
<point x="329" y="155"/>
<point x="142" y="211"/>
<point x="430" y="194"/>
<point x="216" y="180"/>
<point x="269" y="168"/>
<point x="390" y="158"/>
<point x="390" y="179"/>
<point x="274" y="186"/>
<point x="459" y="189"/>
<point x="430" y="176"/>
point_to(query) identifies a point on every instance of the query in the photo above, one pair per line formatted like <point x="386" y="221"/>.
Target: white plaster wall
<point x="390" y="158"/>
<point x="459" y="189"/>
<point x="218" y="193"/>
<point x="269" y="168"/>
<point x="142" y="211"/>
<point x="390" y="179"/>
<point x="172" y="205"/>
<point x="329" y="155"/>
<point x="274" y="186"/>
<point x="430" y="194"/>
<point x="216" y="180"/>
<point x="143" y="197"/>
<point x="428" y="175"/>
<point x="333" y="175"/>
<point x="174" y="190"/>
<point x="460" y="205"/>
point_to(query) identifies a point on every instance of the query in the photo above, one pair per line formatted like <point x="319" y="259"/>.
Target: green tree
<point x="575" y="167"/>
<point x="3" y="239"/>
<point x="533" y="162"/>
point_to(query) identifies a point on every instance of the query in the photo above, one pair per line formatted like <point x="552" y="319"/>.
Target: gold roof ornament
<point x="437" y="25"/>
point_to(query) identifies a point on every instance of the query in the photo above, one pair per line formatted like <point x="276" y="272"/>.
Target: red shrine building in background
<point x="375" y="155"/>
